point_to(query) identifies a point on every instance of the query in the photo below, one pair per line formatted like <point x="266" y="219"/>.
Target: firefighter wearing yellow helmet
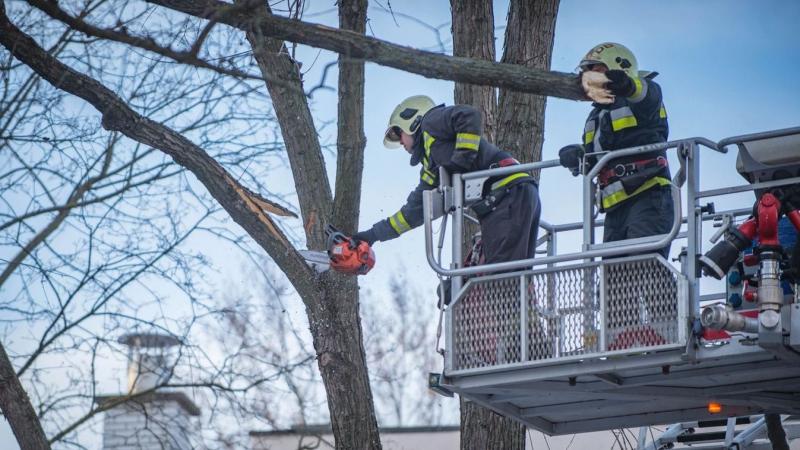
<point x="628" y="111"/>
<point x="450" y="136"/>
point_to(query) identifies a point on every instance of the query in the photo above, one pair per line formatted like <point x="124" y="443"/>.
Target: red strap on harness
<point x="621" y="170"/>
<point x="508" y="162"/>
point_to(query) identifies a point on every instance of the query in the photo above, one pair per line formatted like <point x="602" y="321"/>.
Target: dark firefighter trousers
<point x="646" y="214"/>
<point x="509" y="232"/>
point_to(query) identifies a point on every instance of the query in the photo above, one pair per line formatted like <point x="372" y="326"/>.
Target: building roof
<point x="326" y="428"/>
<point x="182" y="399"/>
<point x="148" y="340"/>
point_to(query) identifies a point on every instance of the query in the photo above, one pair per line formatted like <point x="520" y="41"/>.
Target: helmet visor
<point x="393" y="134"/>
<point x="588" y="64"/>
<point x="391" y="139"/>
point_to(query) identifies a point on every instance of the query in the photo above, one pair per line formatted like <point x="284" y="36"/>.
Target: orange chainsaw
<point x="345" y="255"/>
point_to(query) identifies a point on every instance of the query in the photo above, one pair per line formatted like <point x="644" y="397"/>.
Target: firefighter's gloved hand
<point x="594" y="86"/>
<point x="570" y="157"/>
<point x="367" y="236"/>
<point x="620" y="84"/>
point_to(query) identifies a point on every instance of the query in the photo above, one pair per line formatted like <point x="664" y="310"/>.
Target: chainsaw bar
<point x="344" y="255"/>
<point x="319" y="261"/>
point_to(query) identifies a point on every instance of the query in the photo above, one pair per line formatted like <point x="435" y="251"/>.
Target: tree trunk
<point x="336" y="329"/>
<point x="484" y="429"/>
<point x="473" y="37"/>
<point x="519" y="130"/>
<point x="18" y="410"/>
<point x="350" y="139"/>
<point x="775" y="432"/>
<point x="340" y="348"/>
<point x="529" y="43"/>
<point x="333" y="313"/>
<point x="297" y="128"/>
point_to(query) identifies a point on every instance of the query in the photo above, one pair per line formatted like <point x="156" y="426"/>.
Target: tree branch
<point x="285" y="88"/>
<point x="17" y="408"/>
<point x="350" y="139"/>
<point x="357" y="46"/>
<point x="146" y="43"/>
<point x="246" y="208"/>
<point x="51" y="227"/>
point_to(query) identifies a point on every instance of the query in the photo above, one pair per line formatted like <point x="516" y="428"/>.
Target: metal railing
<point x="569" y="313"/>
<point x="458" y="208"/>
<point x="576" y="306"/>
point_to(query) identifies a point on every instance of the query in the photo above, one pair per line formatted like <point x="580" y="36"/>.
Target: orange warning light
<point x="714" y="408"/>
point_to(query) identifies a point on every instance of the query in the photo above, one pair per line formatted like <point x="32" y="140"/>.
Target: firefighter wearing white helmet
<point x="406" y="117"/>
<point x="450" y="137"/>
<point x="628" y="111"/>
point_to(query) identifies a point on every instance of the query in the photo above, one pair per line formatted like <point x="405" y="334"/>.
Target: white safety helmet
<point x="615" y="57"/>
<point x="406" y="117"/>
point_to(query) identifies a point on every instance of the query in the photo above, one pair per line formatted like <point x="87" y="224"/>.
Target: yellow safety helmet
<point x="406" y="116"/>
<point x="615" y="57"/>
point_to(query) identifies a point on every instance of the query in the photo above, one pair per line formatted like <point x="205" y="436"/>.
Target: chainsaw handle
<point x="335" y="237"/>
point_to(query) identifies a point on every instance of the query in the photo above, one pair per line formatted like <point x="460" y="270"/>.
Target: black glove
<point x="570" y="157"/>
<point x="367" y="236"/>
<point x="620" y="84"/>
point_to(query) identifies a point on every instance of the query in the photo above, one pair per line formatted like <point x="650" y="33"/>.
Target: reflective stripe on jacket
<point x="449" y="137"/>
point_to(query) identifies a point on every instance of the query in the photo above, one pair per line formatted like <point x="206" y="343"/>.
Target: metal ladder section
<point x="595" y="340"/>
<point x="734" y="433"/>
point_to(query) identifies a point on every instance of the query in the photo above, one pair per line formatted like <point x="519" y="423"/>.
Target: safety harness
<point x="500" y="188"/>
<point x="623" y="181"/>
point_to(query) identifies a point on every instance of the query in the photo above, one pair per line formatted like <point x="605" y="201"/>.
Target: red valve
<point x="750" y="260"/>
<point x="794" y="217"/>
<point x="768" y="210"/>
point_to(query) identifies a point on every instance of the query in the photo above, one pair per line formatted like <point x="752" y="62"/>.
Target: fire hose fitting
<point x="717" y="261"/>
<point x="770" y="291"/>
<point x="722" y="317"/>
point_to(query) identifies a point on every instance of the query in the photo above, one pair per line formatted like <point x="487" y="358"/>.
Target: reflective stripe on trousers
<point x="508" y="179"/>
<point x="614" y="193"/>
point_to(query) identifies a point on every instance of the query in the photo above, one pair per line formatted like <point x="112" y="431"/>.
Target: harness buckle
<point x="620" y="170"/>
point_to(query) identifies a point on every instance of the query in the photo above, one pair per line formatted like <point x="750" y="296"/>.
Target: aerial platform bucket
<point x="593" y="340"/>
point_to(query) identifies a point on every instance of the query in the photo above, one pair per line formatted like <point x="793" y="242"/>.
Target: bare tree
<point x="90" y="221"/>
<point x="331" y="300"/>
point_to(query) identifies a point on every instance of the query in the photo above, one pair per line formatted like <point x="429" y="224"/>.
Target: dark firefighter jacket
<point x="629" y="122"/>
<point x="449" y="137"/>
